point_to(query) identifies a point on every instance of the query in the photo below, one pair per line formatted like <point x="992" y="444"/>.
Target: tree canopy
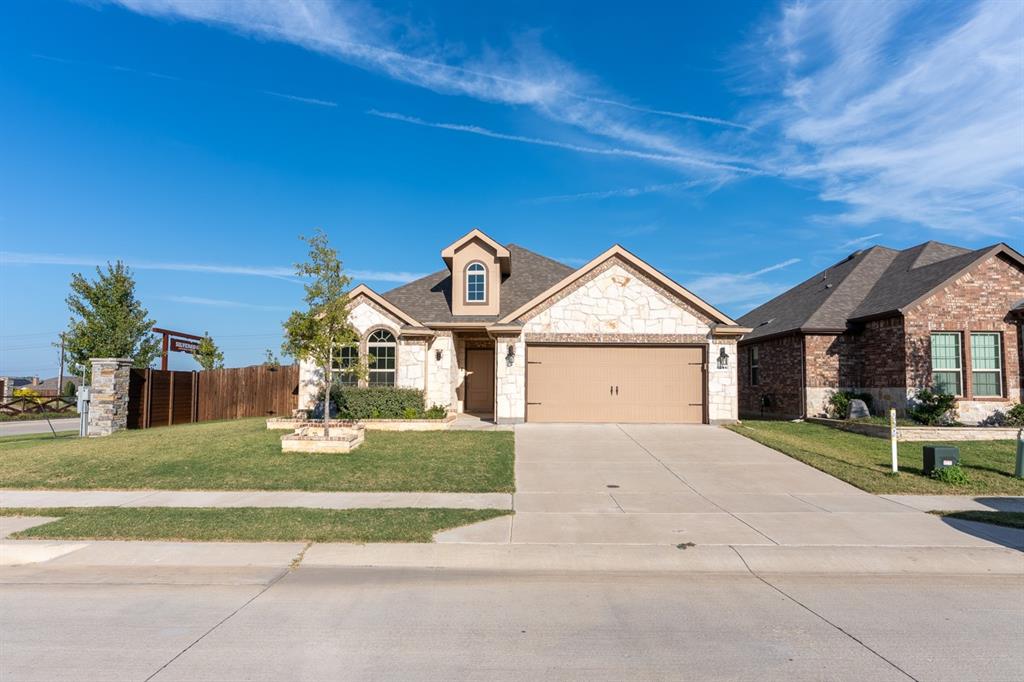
<point x="107" y="320"/>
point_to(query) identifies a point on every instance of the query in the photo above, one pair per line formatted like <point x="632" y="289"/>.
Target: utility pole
<point x="60" y="375"/>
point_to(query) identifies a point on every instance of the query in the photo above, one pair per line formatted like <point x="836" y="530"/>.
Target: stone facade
<point x="890" y="358"/>
<point x="442" y="367"/>
<point x="510" y="380"/>
<point x="722" y="382"/>
<point x="108" y="396"/>
<point x="412" y="363"/>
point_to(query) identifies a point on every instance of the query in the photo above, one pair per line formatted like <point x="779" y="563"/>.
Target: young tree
<point x="271" y="360"/>
<point x="107" y="321"/>
<point x="318" y="333"/>
<point x="207" y="354"/>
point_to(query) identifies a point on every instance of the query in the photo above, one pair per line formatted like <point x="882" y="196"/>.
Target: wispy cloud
<point x="272" y="271"/>
<point x="221" y="303"/>
<point x="111" y="67"/>
<point x="859" y="240"/>
<point x="304" y="100"/>
<point x="902" y="112"/>
<point x="526" y="75"/>
<point x="605" y="151"/>
<point x="639" y="230"/>
<point x="625" y="192"/>
<point x="739" y="288"/>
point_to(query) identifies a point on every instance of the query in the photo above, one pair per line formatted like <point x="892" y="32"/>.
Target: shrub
<point x="932" y="407"/>
<point x="377" y="402"/>
<point x="1015" y="415"/>
<point x="954" y="475"/>
<point x="839" y="402"/>
<point x="436" y="412"/>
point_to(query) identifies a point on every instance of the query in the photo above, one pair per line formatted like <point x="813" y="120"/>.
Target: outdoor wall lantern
<point x="437" y="355"/>
<point x="510" y="355"/>
<point x="723" y="359"/>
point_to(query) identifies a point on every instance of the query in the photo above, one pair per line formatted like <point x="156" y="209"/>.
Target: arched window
<point x="476" y="283"/>
<point x="381" y="347"/>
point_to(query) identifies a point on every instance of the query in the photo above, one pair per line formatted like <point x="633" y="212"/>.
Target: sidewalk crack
<point x="280" y="576"/>
<point x="819" y="616"/>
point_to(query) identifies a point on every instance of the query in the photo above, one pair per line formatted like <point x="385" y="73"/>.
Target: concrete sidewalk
<point x="250" y="498"/>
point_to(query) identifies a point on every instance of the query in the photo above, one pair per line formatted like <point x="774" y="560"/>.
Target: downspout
<point x="803" y="376"/>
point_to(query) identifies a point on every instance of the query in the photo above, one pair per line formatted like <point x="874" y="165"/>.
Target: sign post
<point x="892" y="436"/>
<point x="178" y="342"/>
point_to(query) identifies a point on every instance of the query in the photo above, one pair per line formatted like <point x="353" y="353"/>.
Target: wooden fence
<point x="38" y="405"/>
<point x="164" y="398"/>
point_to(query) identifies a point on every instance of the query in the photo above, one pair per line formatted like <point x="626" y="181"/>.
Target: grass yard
<point x="999" y="518"/>
<point x="248" y="524"/>
<point x="865" y="462"/>
<point x="244" y="455"/>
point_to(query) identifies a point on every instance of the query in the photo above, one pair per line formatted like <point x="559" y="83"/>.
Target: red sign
<point x="184" y="345"/>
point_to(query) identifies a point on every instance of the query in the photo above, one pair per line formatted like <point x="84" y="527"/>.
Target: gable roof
<point x="363" y="290"/>
<point x="874" y="282"/>
<point x="617" y="251"/>
<point x="429" y="298"/>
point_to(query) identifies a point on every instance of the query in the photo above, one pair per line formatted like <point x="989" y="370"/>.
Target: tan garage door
<point x="614" y="384"/>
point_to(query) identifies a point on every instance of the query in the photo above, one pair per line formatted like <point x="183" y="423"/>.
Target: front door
<point x="480" y="380"/>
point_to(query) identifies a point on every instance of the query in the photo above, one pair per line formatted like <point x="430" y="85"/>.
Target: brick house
<point x="889" y="323"/>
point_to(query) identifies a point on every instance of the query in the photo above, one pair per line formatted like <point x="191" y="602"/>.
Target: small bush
<point x="1015" y="415"/>
<point x="436" y="412"/>
<point x="839" y="402"/>
<point x="954" y="475"/>
<point x="377" y="402"/>
<point x="932" y="408"/>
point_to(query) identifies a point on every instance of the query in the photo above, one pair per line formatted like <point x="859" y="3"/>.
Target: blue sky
<point x="739" y="147"/>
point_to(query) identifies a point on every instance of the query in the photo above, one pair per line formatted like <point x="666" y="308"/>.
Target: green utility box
<point x="940" y="457"/>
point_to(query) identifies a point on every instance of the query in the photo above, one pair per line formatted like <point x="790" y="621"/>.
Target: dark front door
<point x="480" y="380"/>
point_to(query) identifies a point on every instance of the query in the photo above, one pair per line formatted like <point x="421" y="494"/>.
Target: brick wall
<point x="781" y="378"/>
<point x="978" y="301"/>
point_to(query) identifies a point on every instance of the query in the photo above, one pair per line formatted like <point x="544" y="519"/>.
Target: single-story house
<point x="506" y="333"/>
<point x="890" y="323"/>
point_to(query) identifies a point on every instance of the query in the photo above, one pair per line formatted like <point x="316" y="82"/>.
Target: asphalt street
<point x="313" y="623"/>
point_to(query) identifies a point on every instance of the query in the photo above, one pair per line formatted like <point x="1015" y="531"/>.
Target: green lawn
<point x="244" y="455"/>
<point x="999" y="518"/>
<point x="866" y="462"/>
<point x="248" y="524"/>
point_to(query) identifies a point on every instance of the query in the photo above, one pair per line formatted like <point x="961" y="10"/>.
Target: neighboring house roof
<point x="428" y="299"/>
<point x="875" y="282"/>
<point x="53" y="383"/>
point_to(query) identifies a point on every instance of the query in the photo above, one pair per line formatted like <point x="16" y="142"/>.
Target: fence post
<point x="194" y="414"/>
<point x="147" y="392"/>
<point x="170" y="402"/>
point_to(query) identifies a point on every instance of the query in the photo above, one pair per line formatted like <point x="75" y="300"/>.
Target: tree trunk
<point x="327" y="392"/>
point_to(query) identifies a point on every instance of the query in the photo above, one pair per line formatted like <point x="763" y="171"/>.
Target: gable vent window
<point x="381" y="347"/>
<point x="476" y="283"/>
<point x="986" y="365"/>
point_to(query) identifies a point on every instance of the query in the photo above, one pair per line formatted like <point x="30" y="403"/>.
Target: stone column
<point x="108" y="396"/>
<point x="510" y="379"/>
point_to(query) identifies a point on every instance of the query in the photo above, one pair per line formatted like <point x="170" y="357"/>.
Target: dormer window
<point x="476" y="283"/>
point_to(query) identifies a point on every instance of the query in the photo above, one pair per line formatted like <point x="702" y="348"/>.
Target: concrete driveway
<point x="672" y="484"/>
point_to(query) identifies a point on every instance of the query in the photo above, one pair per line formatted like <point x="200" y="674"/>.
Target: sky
<point x="737" y="147"/>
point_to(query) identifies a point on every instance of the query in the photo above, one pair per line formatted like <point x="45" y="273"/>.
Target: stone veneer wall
<point x="510" y="382"/>
<point x="440" y="372"/>
<point x="108" y="396"/>
<point x="615" y="303"/>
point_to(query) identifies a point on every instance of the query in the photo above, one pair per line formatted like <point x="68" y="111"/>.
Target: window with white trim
<point x="947" y="365"/>
<point x="382" y="349"/>
<point x="345" y="358"/>
<point x="476" y="283"/>
<point x="755" y="366"/>
<point x="986" y="364"/>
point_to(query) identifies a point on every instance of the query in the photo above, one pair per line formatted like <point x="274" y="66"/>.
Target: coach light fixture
<point x="723" y="359"/>
<point x="510" y="355"/>
<point x="437" y="355"/>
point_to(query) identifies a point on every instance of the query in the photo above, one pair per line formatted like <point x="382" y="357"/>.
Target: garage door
<point x="567" y="383"/>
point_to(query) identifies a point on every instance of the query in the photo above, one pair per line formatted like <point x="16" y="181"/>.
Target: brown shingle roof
<point x="428" y="299"/>
<point x="870" y="283"/>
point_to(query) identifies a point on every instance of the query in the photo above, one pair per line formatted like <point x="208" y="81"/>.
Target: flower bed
<point x="369" y="424"/>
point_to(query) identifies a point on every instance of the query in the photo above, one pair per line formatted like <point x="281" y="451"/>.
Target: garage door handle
<point x="616" y="390"/>
<point x="611" y="390"/>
